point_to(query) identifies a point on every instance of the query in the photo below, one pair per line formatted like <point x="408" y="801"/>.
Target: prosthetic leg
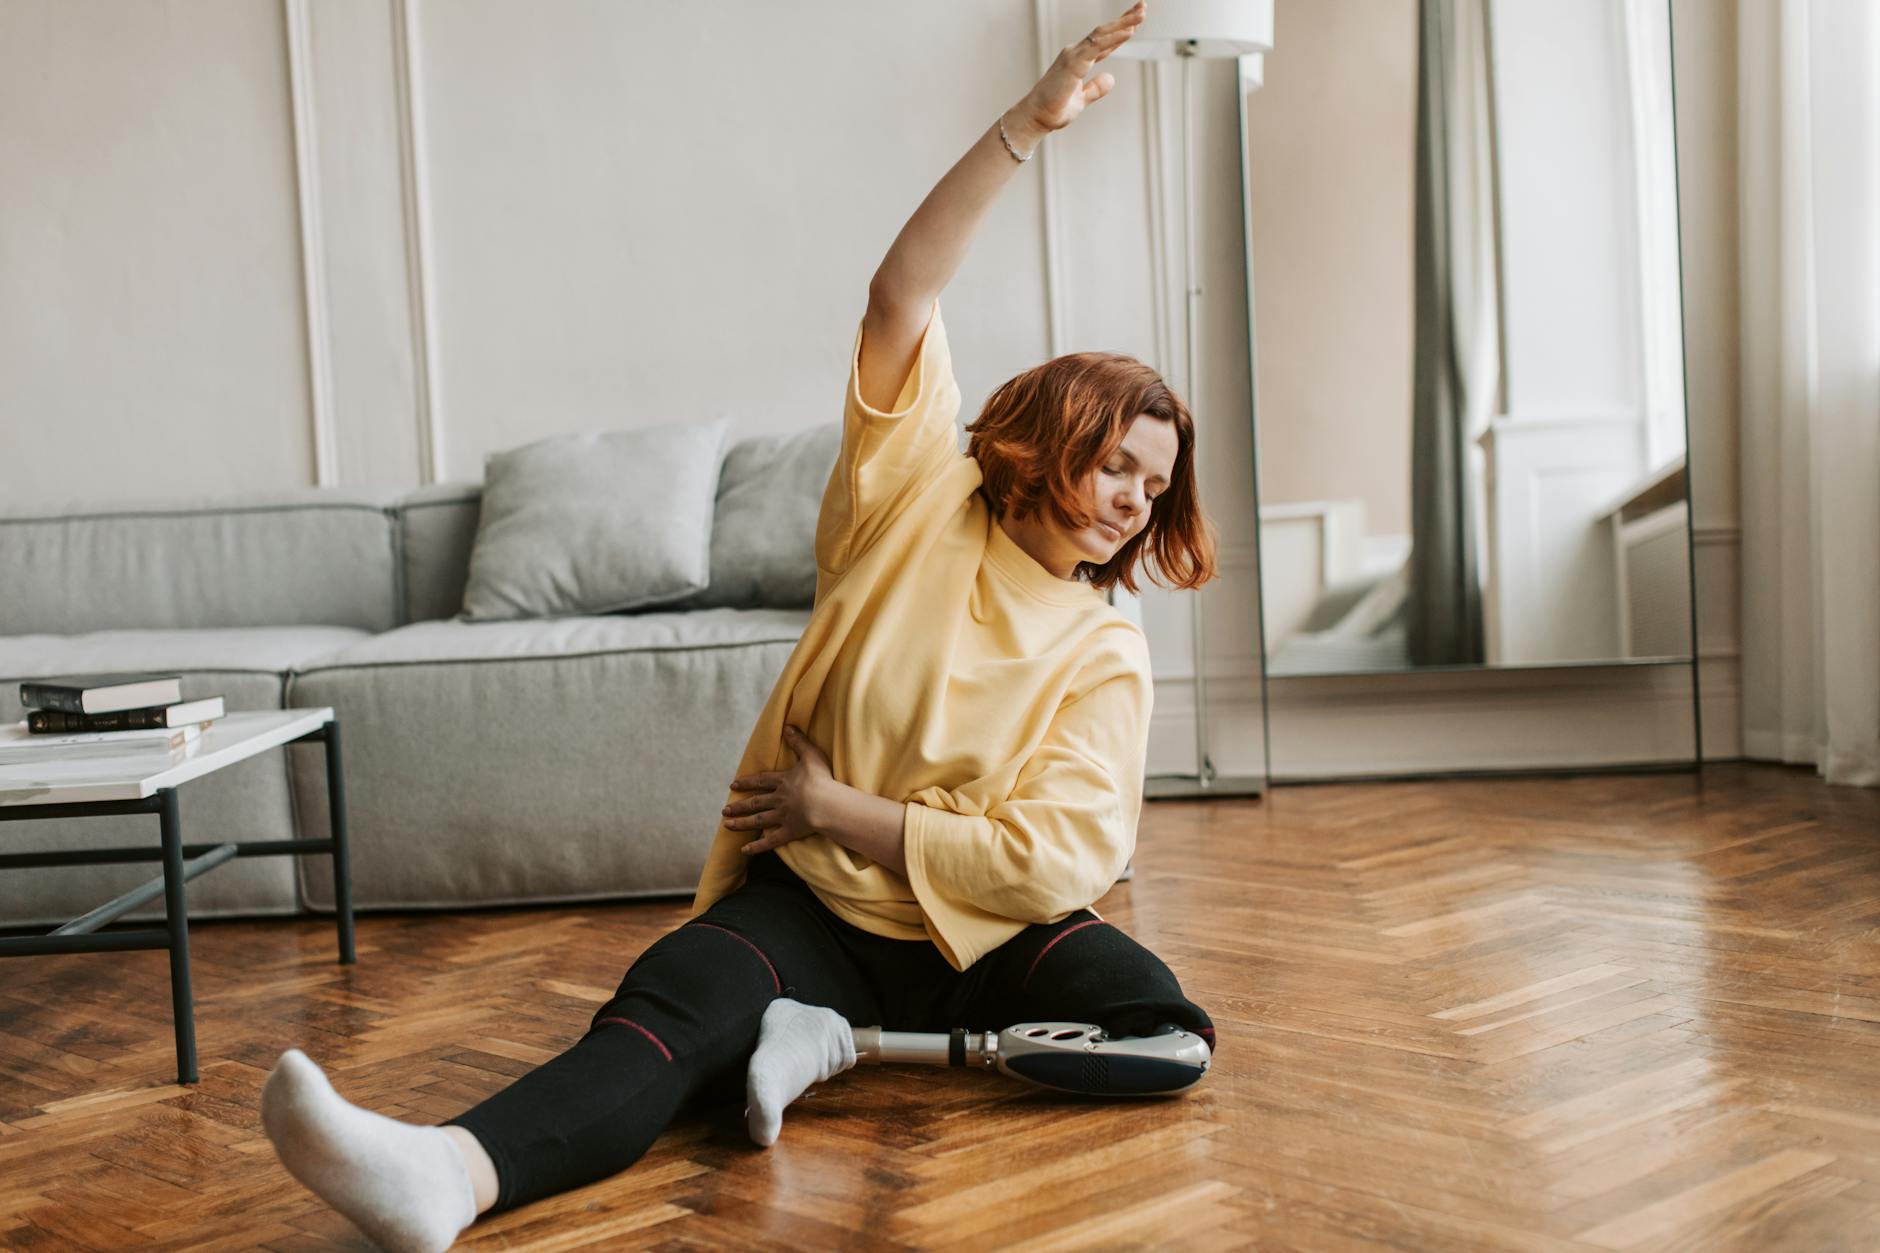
<point x="1067" y="1056"/>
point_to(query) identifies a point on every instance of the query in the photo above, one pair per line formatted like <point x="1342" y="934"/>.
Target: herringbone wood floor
<point x="1633" y="1012"/>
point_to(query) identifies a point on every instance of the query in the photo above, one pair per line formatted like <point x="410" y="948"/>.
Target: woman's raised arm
<point x="929" y="248"/>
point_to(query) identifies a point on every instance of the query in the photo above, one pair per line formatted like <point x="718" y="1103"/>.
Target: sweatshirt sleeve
<point x="888" y="457"/>
<point x="1055" y="844"/>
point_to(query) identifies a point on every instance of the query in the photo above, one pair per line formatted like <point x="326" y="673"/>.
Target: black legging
<point x="686" y="1018"/>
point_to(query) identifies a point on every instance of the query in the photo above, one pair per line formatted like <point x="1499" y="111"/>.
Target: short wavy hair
<point x="1041" y="433"/>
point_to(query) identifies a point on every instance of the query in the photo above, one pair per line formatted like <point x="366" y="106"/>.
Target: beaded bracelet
<point x="1008" y="144"/>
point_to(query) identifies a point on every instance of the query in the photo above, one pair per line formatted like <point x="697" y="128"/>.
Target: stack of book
<point x="137" y="709"/>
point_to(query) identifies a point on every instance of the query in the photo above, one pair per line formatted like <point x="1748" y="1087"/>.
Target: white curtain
<point x="1809" y="135"/>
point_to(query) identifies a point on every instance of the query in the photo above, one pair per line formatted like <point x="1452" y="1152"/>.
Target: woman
<point x="947" y="774"/>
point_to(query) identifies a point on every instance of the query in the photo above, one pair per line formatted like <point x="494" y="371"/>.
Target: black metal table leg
<point x="182" y="1005"/>
<point x="336" y="818"/>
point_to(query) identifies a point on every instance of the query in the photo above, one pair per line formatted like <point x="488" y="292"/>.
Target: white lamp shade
<point x="1217" y="28"/>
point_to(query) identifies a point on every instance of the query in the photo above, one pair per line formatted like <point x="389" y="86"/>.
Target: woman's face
<point x="1118" y="494"/>
<point x="1122" y="488"/>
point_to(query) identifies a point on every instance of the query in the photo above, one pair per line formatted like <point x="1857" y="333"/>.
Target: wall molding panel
<point x="1045" y="31"/>
<point x="1156" y="183"/>
<point x="298" y="15"/>
<point x="420" y="274"/>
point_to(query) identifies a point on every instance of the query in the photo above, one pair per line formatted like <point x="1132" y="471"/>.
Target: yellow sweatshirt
<point x="944" y="667"/>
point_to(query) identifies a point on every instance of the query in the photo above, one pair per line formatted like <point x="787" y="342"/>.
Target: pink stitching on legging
<point x="628" y="1022"/>
<point x="760" y="952"/>
<point x="1088" y="922"/>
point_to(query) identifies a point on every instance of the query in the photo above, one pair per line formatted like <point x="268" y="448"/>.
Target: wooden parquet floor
<point x="1626" y="1012"/>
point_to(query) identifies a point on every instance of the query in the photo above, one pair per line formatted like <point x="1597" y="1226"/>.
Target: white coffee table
<point x="91" y="780"/>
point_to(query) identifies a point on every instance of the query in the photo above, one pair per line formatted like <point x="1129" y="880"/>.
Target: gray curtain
<point x="1454" y="339"/>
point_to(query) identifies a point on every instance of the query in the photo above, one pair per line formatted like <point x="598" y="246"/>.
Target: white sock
<point x="797" y="1045"/>
<point x="405" y="1186"/>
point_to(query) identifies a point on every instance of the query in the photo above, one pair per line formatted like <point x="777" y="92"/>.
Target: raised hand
<point x="929" y="249"/>
<point x="1062" y="94"/>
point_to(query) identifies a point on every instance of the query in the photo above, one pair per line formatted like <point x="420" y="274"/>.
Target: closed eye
<point x="1130" y="459"/>
<point x="1121" y="472"/>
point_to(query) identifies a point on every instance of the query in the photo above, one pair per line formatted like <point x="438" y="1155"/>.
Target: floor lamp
<point x="1183" y="30"/>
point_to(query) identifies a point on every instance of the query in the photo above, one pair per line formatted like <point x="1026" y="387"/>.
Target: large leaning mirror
<point x="1464" y="275"/>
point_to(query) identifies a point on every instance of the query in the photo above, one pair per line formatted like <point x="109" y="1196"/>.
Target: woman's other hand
<point x="1057" y="98"/>
<point x="785" y="801"/>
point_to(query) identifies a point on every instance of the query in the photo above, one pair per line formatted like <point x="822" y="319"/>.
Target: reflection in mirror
<point x="1470" y="392"/>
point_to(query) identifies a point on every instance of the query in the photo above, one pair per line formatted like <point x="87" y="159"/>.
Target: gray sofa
<point x="541" y="760"/>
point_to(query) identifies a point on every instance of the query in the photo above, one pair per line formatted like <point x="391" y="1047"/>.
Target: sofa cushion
<point x="596" y="522"/>
<point x="246" y="801"/>
<point x="316" y="555"/>
<point x="549" y="760"/>
<point x="764" y="530"/>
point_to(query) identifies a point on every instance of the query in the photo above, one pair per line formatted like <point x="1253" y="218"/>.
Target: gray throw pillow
<point x="593" y="523"/>
<point x="764" y="534"/>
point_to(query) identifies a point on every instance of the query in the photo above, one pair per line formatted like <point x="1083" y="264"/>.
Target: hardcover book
<point x="58" y="722"/>
<point x="101" y="693"/>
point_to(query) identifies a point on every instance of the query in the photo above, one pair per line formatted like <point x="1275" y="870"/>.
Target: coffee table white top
<point x="130" y="770"/>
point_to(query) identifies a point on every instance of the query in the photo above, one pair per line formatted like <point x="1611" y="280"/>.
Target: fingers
<point x="754" y="782"/>
<point x="1095" y="46"/>
<point x="748" y="807"/>
<point x="756" y="821"/>
<point x="1097" y="88"/>
<point x="770" y="841"/>
<point x="1108" y="37"/>
<point x="1080" y="57"/>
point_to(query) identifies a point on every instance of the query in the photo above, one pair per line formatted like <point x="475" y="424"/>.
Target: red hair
<point x="1041" y="434"/>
